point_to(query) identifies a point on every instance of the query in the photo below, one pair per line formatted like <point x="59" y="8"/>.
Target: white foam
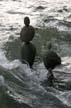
<point x="5" y="63"/>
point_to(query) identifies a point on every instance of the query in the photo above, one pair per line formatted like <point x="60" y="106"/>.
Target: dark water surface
<point x="20" y="86"/>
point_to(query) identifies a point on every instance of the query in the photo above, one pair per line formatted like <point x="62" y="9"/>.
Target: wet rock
<point x="28" y="52"/>
<point x="27" y="33"/>
<point x="51" y="60"/>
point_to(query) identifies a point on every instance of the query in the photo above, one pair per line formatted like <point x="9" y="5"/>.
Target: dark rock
<point x="51" y="60"/>
<point x="28" y="52"/>
<point x="27" y="33"/>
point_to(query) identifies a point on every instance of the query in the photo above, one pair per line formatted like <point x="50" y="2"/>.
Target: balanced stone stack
<point x="28" y="50"/>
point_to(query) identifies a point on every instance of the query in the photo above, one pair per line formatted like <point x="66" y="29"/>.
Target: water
<point x="20" y="86"/>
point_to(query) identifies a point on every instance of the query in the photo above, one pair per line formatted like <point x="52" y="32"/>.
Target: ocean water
<point x="20" y="86"/>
